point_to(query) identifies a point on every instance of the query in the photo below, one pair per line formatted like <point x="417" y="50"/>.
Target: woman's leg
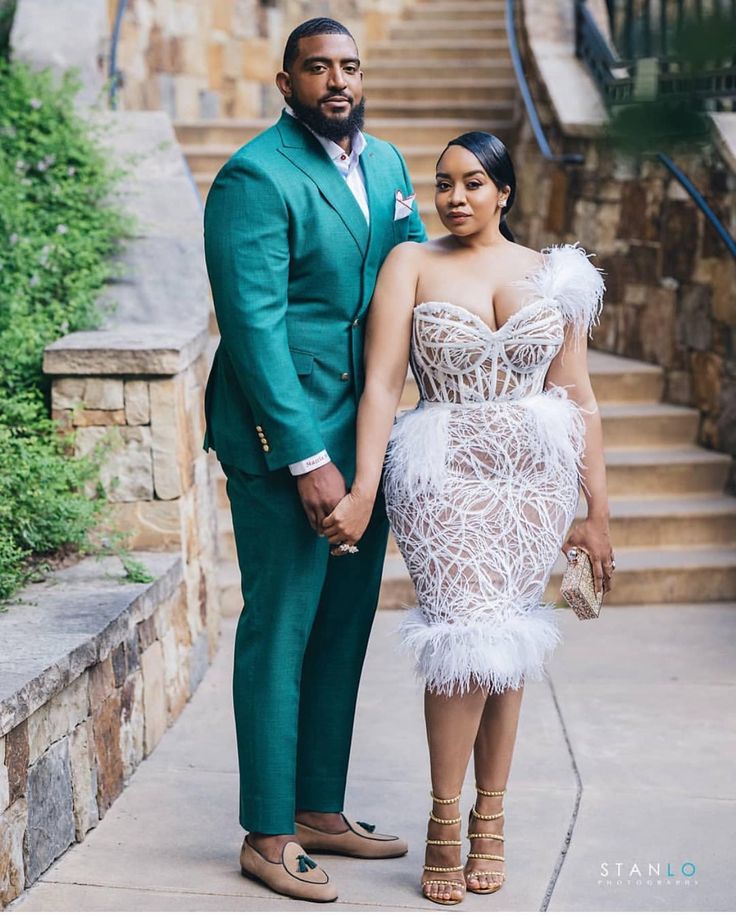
<point x="493" y="751"/>
<point x="452" y="726"/>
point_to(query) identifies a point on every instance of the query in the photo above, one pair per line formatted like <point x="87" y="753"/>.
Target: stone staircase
<point x="445" y="70"/>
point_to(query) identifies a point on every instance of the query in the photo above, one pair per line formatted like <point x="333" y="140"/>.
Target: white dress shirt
<point x="348" y="165"/>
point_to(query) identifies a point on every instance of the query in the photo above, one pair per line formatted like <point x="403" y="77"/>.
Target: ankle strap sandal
<point x="451" y="882"/>
<point x="483" y="856"/>
<point x="444" y="822"/>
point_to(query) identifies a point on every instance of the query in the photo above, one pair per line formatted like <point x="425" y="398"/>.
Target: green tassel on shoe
<point x="368" y="827"/>
<point x="305" y="863"/>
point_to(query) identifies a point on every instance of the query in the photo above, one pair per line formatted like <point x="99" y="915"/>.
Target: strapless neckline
<point x="483" y="326"/>
<point x="528" y="278"/>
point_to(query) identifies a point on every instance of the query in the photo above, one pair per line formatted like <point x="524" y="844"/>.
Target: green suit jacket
<point x="293" y="263"/>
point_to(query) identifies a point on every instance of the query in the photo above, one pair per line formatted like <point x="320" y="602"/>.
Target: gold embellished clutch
<point x="578" y="585"/>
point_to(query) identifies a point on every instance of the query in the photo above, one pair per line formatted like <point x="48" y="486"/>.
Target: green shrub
<point x="58" y="231"/>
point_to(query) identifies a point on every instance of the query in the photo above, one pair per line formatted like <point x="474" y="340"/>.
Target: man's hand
<point x="320" y="492"/>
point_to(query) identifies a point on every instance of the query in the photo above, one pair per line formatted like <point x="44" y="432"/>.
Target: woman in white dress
<point x="481" y="479"/>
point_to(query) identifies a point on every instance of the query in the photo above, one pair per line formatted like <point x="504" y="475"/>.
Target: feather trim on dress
<point x="568" y="277"/>
<point x="417" y="449"/>
<point x="454" y="657"/>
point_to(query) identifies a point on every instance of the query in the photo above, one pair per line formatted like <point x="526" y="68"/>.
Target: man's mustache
<point x="335" y="96"/>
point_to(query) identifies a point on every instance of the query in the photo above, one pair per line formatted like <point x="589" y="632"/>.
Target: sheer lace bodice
<point x="457" y="358"/>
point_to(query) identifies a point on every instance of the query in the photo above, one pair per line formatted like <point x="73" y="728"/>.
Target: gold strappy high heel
<point x="495" y="885"/>
<point x="452" y="882"/>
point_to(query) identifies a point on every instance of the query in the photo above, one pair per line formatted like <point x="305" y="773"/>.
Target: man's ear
<point x="283" y="81"/>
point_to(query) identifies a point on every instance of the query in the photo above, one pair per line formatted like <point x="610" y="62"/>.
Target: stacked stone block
<point x="218" y="59"/>
<point x="149" y="429"/>
<point x="72" y="735"/>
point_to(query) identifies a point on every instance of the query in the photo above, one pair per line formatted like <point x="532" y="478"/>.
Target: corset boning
<point x="457" y="359"/>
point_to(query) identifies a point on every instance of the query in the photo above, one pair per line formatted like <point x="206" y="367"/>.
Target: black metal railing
<point x="526" y="95"/>
<point x="605" y="67"/>
<point x="114" y="75"/>
<point x="645" y="50"/>
<point x="700" y="201"/>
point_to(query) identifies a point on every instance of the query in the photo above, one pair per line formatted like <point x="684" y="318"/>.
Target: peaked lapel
<point x="381" y="203"/>
<point x="380" y="195"/>
<point x="304" y="150"/>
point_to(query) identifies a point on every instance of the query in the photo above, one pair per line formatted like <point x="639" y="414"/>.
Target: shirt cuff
<point x="310" y="463"/>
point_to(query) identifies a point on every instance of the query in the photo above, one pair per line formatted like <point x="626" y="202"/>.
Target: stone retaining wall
<point x="93" y="669"/>
<point x="218" y="59"/>
<point x="670" y="279"/>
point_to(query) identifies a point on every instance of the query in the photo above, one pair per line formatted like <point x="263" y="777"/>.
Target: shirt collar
<point x="334" y="151"/>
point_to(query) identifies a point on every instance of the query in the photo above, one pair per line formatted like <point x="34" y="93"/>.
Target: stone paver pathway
<point x="624" y="756"/>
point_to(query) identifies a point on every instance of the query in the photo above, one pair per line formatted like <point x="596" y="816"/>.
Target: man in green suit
<point x="297" y="225"/>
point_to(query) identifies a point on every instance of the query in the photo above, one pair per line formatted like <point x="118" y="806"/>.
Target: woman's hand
<point x="592" y="535"/>
<point x="348" y="521"/>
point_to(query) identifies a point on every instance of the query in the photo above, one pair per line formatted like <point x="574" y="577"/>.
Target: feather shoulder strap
<point x="569" y="278"/>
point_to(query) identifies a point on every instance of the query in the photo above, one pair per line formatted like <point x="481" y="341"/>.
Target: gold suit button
<point x="266" y="448"/>
<point x="259" y="429"/>
<point x="344" y="377"/>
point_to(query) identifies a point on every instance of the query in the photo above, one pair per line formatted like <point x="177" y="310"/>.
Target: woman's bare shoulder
<point x="532" y="257"/>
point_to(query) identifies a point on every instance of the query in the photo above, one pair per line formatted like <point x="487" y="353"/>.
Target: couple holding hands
<point x="325" y="289"/>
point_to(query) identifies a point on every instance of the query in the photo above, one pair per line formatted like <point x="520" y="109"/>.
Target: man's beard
<point x="334" y="129"/>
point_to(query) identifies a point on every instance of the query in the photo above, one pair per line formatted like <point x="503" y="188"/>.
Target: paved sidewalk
<point x="627" y="752"/>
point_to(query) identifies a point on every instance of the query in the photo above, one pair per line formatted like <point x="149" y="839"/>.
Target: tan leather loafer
<point x="296" y="875"/>
<point x="358" y="840"/>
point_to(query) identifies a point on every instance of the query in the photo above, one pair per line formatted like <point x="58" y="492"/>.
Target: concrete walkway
<point x="625" y="756"/>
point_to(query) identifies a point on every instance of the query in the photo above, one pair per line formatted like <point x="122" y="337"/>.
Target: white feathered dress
<point x="482" y="479"/>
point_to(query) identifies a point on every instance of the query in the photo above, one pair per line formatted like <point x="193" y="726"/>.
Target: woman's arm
<point x="388" y="339"/>
<point x="570" y="370"/>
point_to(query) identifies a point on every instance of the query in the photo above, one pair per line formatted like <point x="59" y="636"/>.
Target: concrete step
<point x="488" y="110"/>
<point x="694" y="574"/>
<point x="380" y="89"/>
<point x="485" y="111"/>
<point x="458" y="10"/>
<point x="620" y="379"/>
<point x="676" y="522"/>
<point x="685" y="520"/>
<point x="665" y="471"/>
<point x="224" y="132"/>
<point x="648" y="424"/>
<point x="435" y="131"/>
<point x="232" y="134"/>
<point x="439" y="49"/>
<point x="206" y="159"/>
<point x="417" y="69"/>
<point x="203" y="183"/>
<point x="492" y="28"/>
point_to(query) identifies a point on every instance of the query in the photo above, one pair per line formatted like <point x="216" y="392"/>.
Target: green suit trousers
<point x="298" y="652"/>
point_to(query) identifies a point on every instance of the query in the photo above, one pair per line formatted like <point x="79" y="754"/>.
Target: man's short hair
<point x="319" y="26"/>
